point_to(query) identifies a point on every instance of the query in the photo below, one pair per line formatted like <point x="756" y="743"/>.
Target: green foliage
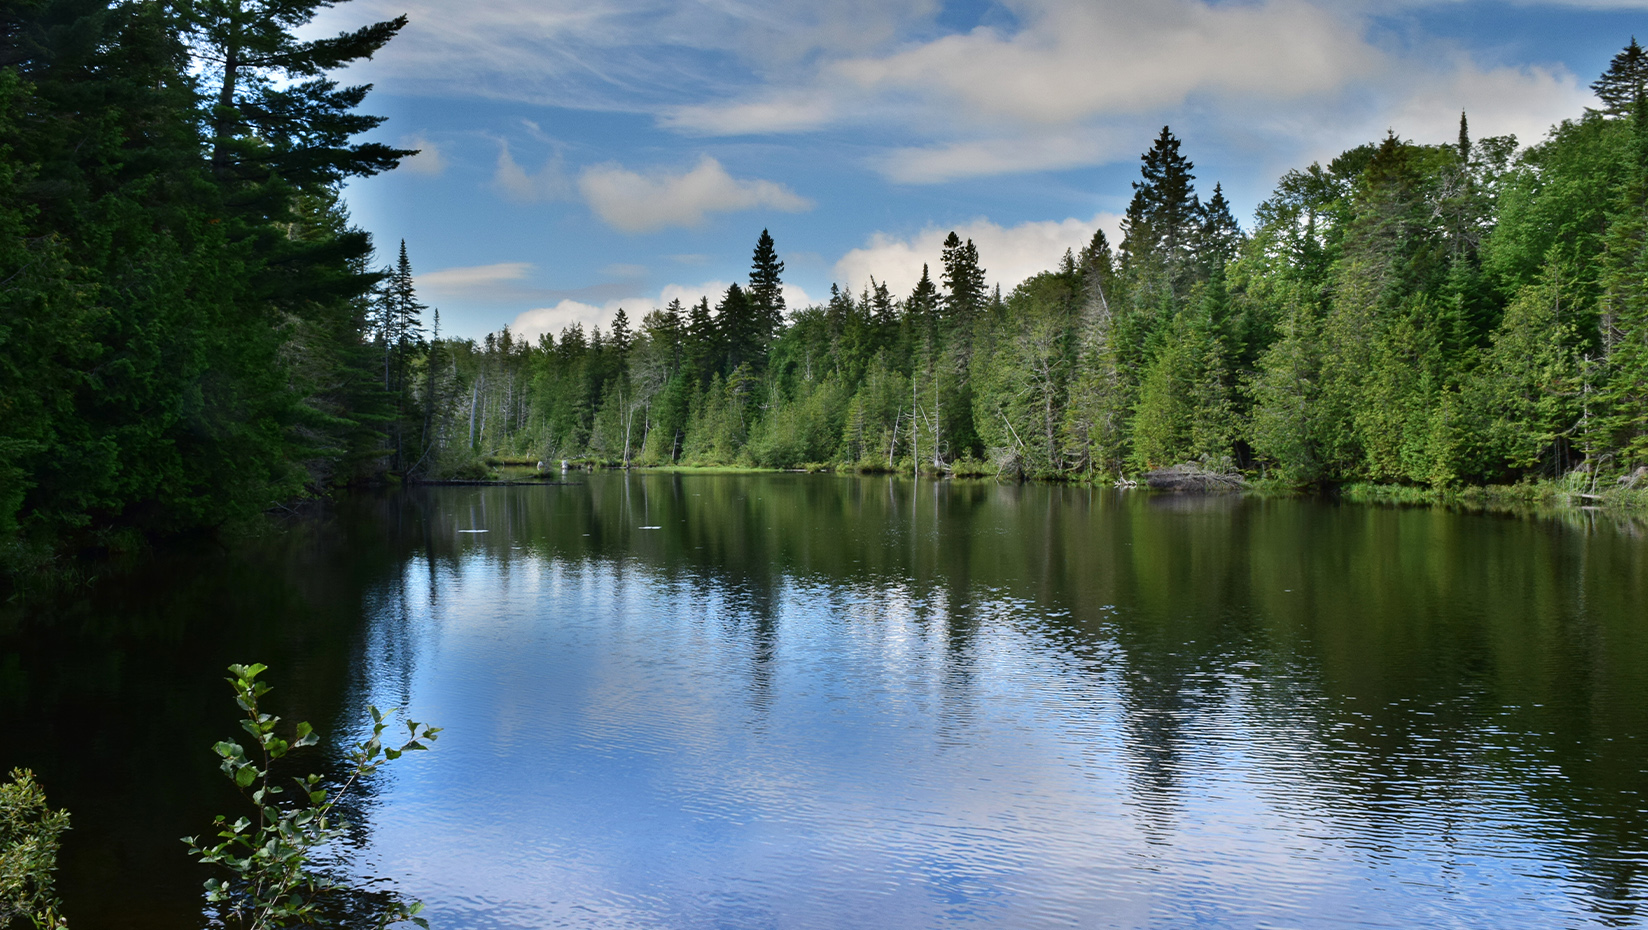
<point x="30" y="832"/>
<point x="270" y="857"/>
<point x="182" y="297"/>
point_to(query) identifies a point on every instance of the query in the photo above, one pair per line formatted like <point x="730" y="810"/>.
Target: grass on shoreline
<point x="1537" y="495"/>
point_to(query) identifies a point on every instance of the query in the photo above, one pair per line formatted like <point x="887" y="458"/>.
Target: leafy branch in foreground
<point x="29" y="834"/>
<point x="272" y="883"/>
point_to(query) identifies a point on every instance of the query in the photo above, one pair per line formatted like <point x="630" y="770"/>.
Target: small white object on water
<point x="474" y="531"/>
<point x="651" y="527"/>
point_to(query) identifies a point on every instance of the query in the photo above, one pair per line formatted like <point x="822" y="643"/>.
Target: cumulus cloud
<point x="429" y="161"/>
<point x="552" y="319"/>
<point x="511" y="180"/>
<point x="635" y="203"/>
<point x="1524" y="102"/>
<point x="1009" y="254"/>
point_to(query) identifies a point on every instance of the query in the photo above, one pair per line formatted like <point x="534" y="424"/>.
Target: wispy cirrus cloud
<point x="472" y="278"/>
<point x="1062" y="84"/>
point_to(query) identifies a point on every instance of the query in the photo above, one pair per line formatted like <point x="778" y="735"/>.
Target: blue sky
<point x="582" y="155"/>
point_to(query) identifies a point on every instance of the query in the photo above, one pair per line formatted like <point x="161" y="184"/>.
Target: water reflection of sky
<point x="628" y="745"/>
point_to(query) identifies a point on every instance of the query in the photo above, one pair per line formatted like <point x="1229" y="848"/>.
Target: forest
<point x="1467" y="312"/>
<point x="193" y="333"/>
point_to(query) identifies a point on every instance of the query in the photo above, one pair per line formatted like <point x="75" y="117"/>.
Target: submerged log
<point x="1193" y="478"/>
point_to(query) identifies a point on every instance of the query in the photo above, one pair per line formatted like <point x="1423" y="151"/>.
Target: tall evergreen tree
<point x="740" y="329"/>
<point x="1625" y="80"/>
<point x="924" y="299"/>
<point x="274" y="109"/>
<point x="621" y="338"/>
<point x="766" y="290"/>
<point x="964" y="291"/>
<point x="1218" y="235"/>
<point x="1163" y="217"/>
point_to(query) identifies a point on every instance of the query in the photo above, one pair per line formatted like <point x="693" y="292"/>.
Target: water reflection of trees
<point x="1419" y="650"/>
<point x="1404" y="655"/>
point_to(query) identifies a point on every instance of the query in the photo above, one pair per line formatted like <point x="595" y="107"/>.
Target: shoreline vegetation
<point x="194" y="335"/>
<point x="1524" y="498"/>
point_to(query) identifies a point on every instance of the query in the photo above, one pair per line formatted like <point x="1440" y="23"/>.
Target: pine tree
<point x="740" y="331"/>
<point x="885" y="312"/>
<point x="924" y="301"/>
<point x="1625" y="80"/>
<point x="1163" y="217"/>
<point x="701" y="342"/>
<point x="621" y="338"/>
<point x="766" y="291"/>
<point x="963" y="281"/>
<point x="274" y="108"/>
<point x="1218" y="236"/>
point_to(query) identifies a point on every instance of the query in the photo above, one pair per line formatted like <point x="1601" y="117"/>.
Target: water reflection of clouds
<point x="605" y="765"/>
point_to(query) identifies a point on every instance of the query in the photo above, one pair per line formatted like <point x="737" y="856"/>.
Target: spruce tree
<point x="621" y="338"/>
<point x="1164" y="214"/>
<point x="923" y="302"/>
<point x="963" y="280"/>
<point x="273" y="108"/>
<point x="701" y="342"/>
<point x="766" y="291"/>
<point x="1218" y="235"/>
<point x="1625" y="80"/>
<point x="739" y="329"/>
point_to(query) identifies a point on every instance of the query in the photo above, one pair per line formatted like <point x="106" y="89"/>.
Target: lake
<point x="812" y="701"/>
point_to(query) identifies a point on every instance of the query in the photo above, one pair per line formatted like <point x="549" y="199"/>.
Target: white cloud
<point x="534" y="323"/>
<point x="634" y="203"/>
<point x="429" y="161"/>
<point x="994" y="156"/>
<point x="1009" y="254"/>
<point x="793" y="111"/>
<point x="513" y="181"/>
<point x="1072" y="61"/>
<point x="1500" y="101"/>
<point x="1042" y="85"/>
<point x="1069" y="83"/>
<point x="471" y="281"/>
<point x="553" y="319"/>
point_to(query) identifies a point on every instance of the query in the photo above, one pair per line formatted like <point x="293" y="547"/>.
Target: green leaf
<point x="245" y="775"/>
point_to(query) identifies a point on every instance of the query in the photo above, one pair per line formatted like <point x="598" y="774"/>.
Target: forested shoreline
<point x="192" y="332"/>
<point x="1429" y="315"/>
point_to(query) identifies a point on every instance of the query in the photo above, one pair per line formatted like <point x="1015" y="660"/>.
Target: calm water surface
<point x="825" y="702"/>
